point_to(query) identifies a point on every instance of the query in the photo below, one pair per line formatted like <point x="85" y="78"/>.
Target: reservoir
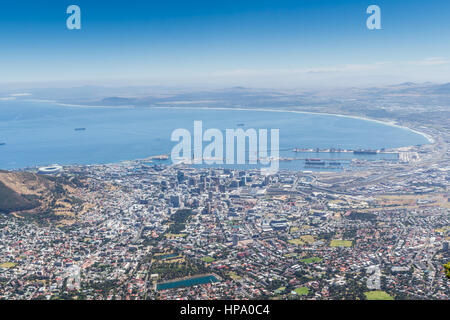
<point x="187" y="282"/>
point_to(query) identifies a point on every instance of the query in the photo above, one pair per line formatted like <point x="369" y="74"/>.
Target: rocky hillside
<point x="26" y="193"/>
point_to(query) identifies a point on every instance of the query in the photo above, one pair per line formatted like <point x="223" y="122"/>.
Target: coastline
<point x="388" y="123"/>
<point x="81" y="106"/>
<point x="429" y="138"/>
<point x="392" y="123"/>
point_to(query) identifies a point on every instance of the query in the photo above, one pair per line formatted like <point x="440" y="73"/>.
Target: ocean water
<point x="42" y="133"/>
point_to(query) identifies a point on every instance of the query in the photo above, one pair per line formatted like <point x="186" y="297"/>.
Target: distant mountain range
<point x="416" y="88"/>
<point x="228" y="97"/>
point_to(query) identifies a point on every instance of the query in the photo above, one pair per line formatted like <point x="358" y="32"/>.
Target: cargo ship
<point x="2" y="143"/>
<point x="333" y="163"/>
<point x="80" y="129"/>
<point x="363" y="151"/>
<point x="315" y="162"/>
<point x="317" y="150"/>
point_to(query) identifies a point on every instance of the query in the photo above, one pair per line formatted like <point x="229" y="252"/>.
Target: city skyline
<point x="235" y="156"/>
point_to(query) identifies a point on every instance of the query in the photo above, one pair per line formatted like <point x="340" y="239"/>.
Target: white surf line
<point x="388" y="123"/>
<point x="81" y="106"/>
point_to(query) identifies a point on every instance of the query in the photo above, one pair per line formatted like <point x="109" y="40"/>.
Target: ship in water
<point x="2" y="143"/>
<point x="302" y="150"/>
<point x="317" y="150"/>
<point x="80" y="129"/>
<point x="364" y="151"/>
<point x="315" y="162"/>
<point x="240" y="124"/>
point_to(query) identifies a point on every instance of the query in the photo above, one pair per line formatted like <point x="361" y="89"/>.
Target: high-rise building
<point x="191" y="182"/>
<point x="234" y="184"/>
<point x="180" y="176"/>
<point x="175" y="201"/>
<point x="235" y="240"/>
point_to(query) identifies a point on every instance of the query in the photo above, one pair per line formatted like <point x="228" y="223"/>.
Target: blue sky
<point x="228" y="42"/>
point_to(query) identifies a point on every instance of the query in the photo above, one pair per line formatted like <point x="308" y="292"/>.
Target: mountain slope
<point x="11" y="201"/>
<point x="26" y="193"/>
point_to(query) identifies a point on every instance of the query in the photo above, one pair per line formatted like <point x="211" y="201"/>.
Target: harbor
<point x="338" y="150"/>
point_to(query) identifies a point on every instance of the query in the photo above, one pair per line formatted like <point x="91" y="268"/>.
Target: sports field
<point x="377" y="295"/>
<point x="311" y="260"/>
<point x="303" y="291"/>
<point x="308" y="238"/>
<point x="208" y="259"/>
<point x="341" y="243"/>
<point x="7" y="265"/>
<point x="297" y="242"/>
